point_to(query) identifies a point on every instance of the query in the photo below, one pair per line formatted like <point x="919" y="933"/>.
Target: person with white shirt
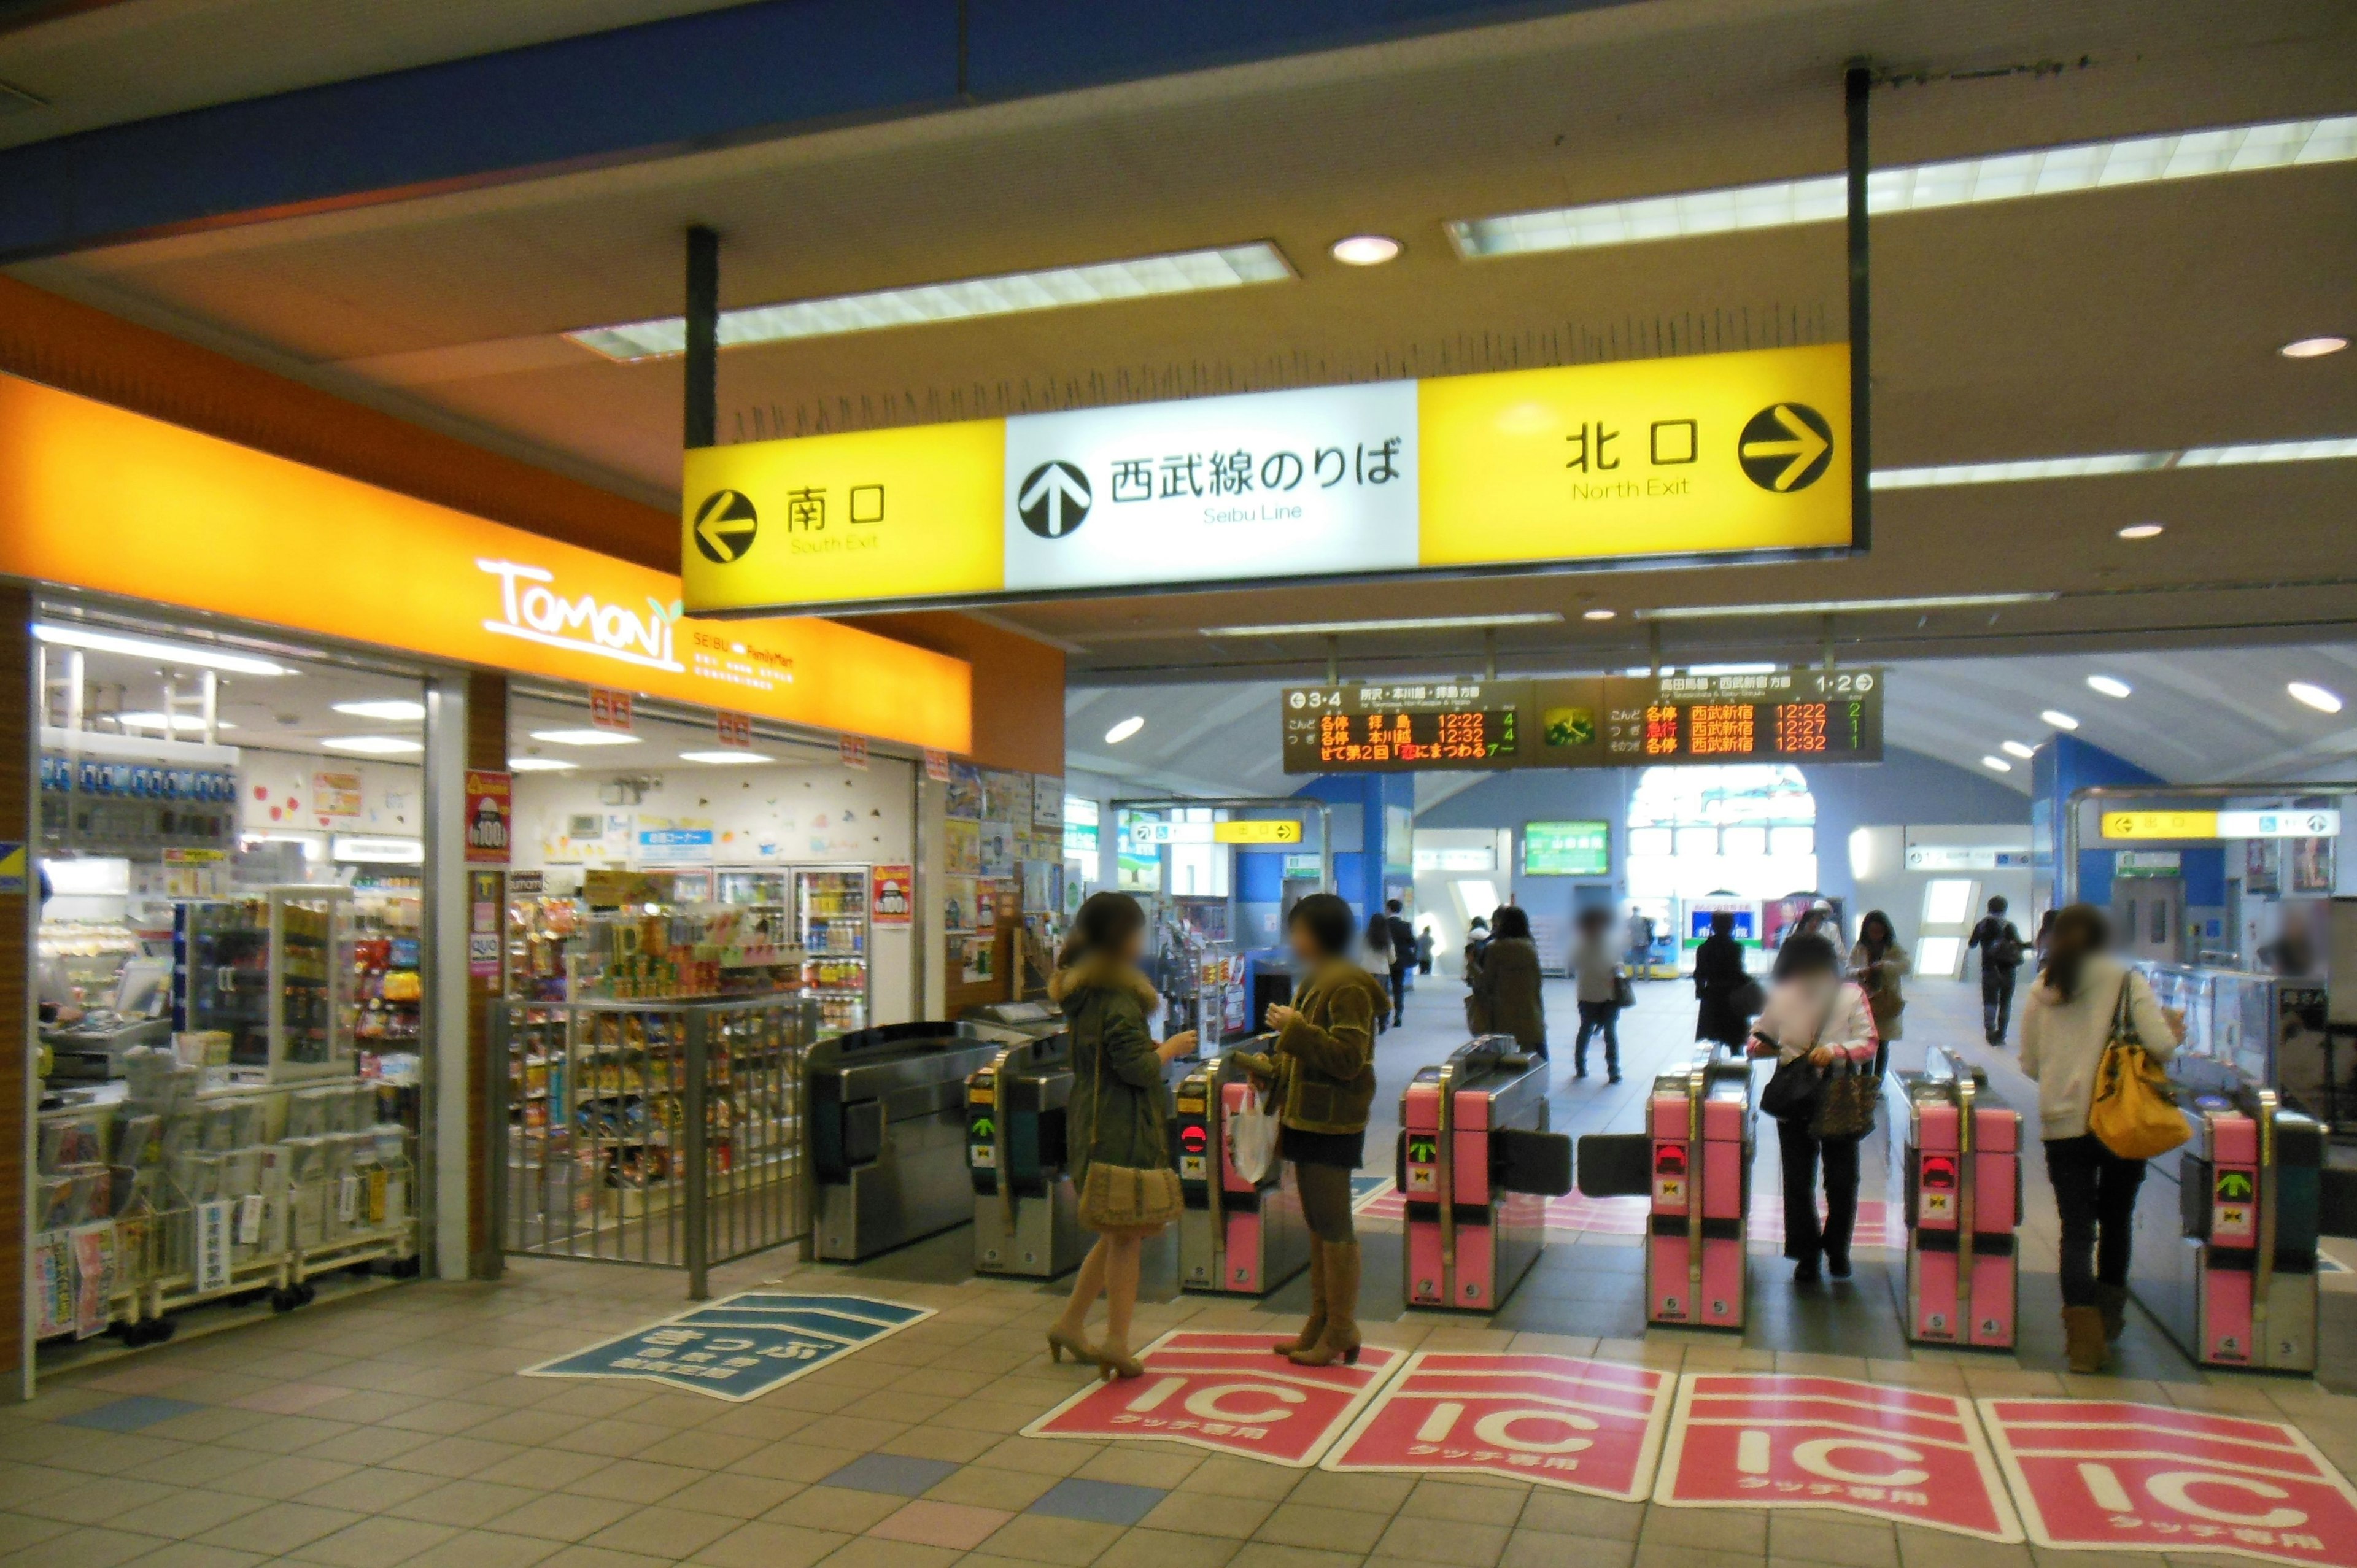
<point x="1812" y="1011"/>
<point x="2082" y="993"/>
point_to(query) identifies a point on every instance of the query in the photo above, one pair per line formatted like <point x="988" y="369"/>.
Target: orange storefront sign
<point x="95" y="497"/>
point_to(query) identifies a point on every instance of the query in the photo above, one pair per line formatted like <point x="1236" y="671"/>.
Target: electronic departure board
<point x="1594" y="721"/>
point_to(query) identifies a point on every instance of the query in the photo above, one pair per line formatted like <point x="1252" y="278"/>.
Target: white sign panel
<point x="1264" y="485"/>
<point x="2303" y="824"/>
<point x="1965" y="857"/>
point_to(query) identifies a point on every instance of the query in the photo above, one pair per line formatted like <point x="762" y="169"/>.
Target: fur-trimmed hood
<point x="1095" y="972"/>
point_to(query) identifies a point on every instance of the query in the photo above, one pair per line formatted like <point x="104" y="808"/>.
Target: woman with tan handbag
<point x="2083" y="1001"/>
<point x="1119" y="1123"/>
<point x="1323" y="1067"/>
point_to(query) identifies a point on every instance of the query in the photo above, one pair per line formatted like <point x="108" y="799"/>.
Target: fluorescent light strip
<point x="1950" y="474"/>
<point x="1844" y="607"/>
<point x="146" y="648"/>
<point x="2002" y="176"/>
<point x="1423" y="623"/>
<point x="1053" y="288"/>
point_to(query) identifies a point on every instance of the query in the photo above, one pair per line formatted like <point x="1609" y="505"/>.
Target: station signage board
<point x="2284" y="822"/>
<point x="1593" y="721"/>
<point x="1701" y="456"/>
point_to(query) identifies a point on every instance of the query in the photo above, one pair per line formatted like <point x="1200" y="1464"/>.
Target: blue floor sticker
<point x="740" y="1348"/>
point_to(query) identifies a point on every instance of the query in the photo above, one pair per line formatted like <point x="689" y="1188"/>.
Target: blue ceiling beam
<point x="749" y="73"/>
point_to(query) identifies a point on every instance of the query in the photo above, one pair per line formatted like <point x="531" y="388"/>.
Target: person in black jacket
<point x="2001" y="953"/>
<point x="1718" y="974"/>
<point x="1403" y="956"/>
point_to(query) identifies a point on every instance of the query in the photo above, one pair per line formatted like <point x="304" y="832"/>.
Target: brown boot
<point x="1315" y="1329"/>
<point x="1340" y="1340"/>
<point x="2083" y="1338"/>
<point x="2112" y="1301"/>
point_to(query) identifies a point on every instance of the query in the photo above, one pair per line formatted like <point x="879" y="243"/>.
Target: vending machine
<point x="831" y="918"/>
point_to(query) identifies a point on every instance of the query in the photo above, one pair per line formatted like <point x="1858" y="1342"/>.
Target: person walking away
<point x="1322" y="1067"/>
<point x="2044" y="939"/>
<point x="2082" y="998"/>
<point x="1812" y="1011"/>
<point x="1119" y="1117"/>
<point x="1424" y="940"/>
<point x="1509" y="999"/>
<point x="1403" y="955"/>
<point x="1476" y="937"/>
<point x="1718" y="976"/>
<point x="1378" y="959"/>
<point x="1595" y="970"/>
<point x="1999" y="942"/>
<point x="1877" y="964"/>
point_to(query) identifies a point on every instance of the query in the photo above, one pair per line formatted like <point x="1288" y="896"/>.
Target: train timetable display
<point x="1786" y="715"/>
<point x="1406" y="726"/>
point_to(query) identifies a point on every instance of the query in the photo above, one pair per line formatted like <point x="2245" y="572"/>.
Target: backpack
<point x="2004" y="948"/>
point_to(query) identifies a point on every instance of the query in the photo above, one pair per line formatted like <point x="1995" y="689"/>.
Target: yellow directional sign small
<point x="1785" y="446"/>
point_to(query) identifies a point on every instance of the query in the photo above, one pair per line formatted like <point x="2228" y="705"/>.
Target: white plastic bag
<point x="1253" y="1137"/>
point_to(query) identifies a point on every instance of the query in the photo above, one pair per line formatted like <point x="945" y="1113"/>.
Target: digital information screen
<point x="1567" y="849"/>
<point x="1595" y="721"/>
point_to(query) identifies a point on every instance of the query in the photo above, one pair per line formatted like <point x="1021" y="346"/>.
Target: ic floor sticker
<point x="2101" y="1474"/>
<point x="1590" y="1426"/>
<point x="743" y="1346"/>
<point x="1225" y="1392"/>
<point x="1753" y="1440"/>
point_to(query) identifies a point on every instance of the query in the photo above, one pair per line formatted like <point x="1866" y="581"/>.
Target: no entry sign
<point x="742" y="1347"/>
<point x="1590" y="1426"/>
<point x="1748" y="1440"/>
<point x="2100" y="1475"/>
<point x="1225" y="1392"/>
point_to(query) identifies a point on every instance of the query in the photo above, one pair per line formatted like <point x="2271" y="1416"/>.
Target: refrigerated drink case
<point x="831" y="916"/>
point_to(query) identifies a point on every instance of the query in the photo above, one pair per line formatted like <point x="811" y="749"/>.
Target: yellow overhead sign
<point x="2160" y="825"/>
<point x="1705" y="455"/>
<point x="1272" y="832"/>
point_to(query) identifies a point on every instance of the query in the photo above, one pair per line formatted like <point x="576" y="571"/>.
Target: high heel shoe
<point x="1111" y="1366"/>
<point x="1061" y="1345"/>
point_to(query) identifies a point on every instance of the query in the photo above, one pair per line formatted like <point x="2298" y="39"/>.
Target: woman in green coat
<point x="1120" y="1111"/>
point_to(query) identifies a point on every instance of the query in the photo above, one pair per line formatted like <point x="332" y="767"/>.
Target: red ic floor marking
<point x="1756" y="1440"/>
<point x="2103" y="1474"/>
<point x="1229" y="1394"/>
<point x="1590" y="1426"/>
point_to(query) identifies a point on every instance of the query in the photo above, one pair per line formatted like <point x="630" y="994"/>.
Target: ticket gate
<point x="1475" y="1166"/>
<point x="1007" y="1020"/>
<point x="1236" y="1237"/>
<point x="887" y="1137"/>
<point x="1957" y="1179"/>
<point x="1026" y="1217"/>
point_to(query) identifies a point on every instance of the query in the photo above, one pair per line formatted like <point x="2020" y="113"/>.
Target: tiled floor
<point x="392" y="1428"/>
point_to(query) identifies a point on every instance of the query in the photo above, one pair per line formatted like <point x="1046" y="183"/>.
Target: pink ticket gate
<point x="1958" y="1182"/>
<point x="2253" y="1196"/>
<point x="1475" y="1166"/>
<point x="1236" y="1237"/>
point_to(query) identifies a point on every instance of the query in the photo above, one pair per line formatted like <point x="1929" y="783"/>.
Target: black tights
<point x="2095" y="1198"/>
<point x="1326" y="1200"/>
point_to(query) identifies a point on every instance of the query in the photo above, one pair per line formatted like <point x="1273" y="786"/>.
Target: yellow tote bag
<point x="2133" y="1114"/>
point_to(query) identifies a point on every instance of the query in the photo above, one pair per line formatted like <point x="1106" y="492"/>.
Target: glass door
<point x="831" y="904"/>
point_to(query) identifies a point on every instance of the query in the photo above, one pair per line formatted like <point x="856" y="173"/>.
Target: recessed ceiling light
<point x="2059" y="719"/>
<point x="389" y="710"/>
<point x="1598" y="615"/>
<point x="1997" y="764"/>
<point x="1417" y="623"/>
<point x="539" y="765"/>
<point x="1844" y="607"/>
<point x="182" y="724"/>
<point x="584" y="738"/>
<point x="2318" y="697"/>
<point x="1141" y="278"/>
<point x="1124" y="730"/>
<point x="2312" y="348"/>
<point x="148" y="647"/>
<point x="1366" y="249"/>
<point x="2111" y="463"/>
<point x="724" y="758"/>
<point x="2110" y="685"/>
<point x="2142" y="530"/>
<point x="2014" y="748"/>
<point x="373" y="744"/>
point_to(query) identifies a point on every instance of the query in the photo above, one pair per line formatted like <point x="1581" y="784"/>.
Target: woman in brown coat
<point x="1507" y="988"/>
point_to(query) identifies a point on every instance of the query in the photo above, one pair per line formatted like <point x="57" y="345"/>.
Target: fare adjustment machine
<point x="1476" y="1165"/>
<point x="1236" y="1237"/>
<point x="1692" y="1162"/>
<point x="1026" y="1217"/>
<point x="1957" y="1180"/>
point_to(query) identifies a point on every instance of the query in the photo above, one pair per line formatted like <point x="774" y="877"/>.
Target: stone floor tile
<point x="1104" y="1502"/>
<point x="1920" y="1548"/>
<point x="836" y="1508"/>
<point x="601" y="1557"/>
<point x="484" y="1549"/>
<point x="961" y="1526"/>
<point x="1718" y="1530"/>
<point x="1239" y="1518"/>
<point x="1545" y="1548"/>
<point x="1047" y="1456"/>
<point x="637" y="1481"/>
<point x="279" y="1527"/>
<point x="1041" y="1538"/>
<point x="1443" y="1540"/>
<point x="616" y="1439"/>
<point x="1232" y="1477"/>
<point x="455" y="1457"/>
<point x="1359" y="1491"/>
<point x="562" y="1516"/>
<point x="185" y="1513"/>
<point x="791" y="1461"/>
<point x="732" y="1496"/>
<point x="1658" y="1554"/>
<point x="1167" y="1549"/>
<point x="188" y="1555"/>
<point x="380" y="1542"/>
<point x="95" y="1501"/>
<point x="284" y="1476"/>
<point x="1143" y="1464"/>
<point x="982" y="1487"/>
<point x="763" y="1544"/>
<point x="19" y="1530"/>
<point x="1465" y="1504"/>
<point x="464" y="1504"/>
<point x="86" y="1548"/>
<point x="1328" y="1529"/>
<point x="701" y="1450"/>
<point x="1818" y="1537"/>
<point x="871" y="1551"/>
<point x="1269" y="1555"/>
<point x="665" y="1532"/>
<point x="371" y="1490"/>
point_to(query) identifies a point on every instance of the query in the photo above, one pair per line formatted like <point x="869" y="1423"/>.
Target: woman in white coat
<point x="1812" y="1011"/>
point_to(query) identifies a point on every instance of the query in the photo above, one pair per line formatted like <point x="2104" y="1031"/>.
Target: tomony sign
<point x="1705" y="456"/>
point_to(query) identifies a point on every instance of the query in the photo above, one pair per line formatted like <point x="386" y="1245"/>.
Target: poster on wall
<point x="2262" y="862"/>
<point x="891" y="894"/>
<point x="997" y="849"/>
<point x="489" y="816"/>
<point x="962" y="848"/>
<point x="335" y="796"/>
<point x="981" y="958"/>
<point x="1005" y="797"/>
<point x="674" y="841"/>
<point x="2311" y="866"/>
<point x="965" y="801"/>
<point x="957" y="904"/>
<point x="937" y="765"/>
<point x="1047" y="803"/>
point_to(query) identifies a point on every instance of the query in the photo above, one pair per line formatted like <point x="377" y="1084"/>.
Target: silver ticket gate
<point x="1006" y="1021"/>
<point x="1476" y="1165"/>
<point x="1957" y="1179"/>
<point x="1026" y="1217"/>
<point x="1236" y="1237"/>
<point x="887" y="1137"/>
<point x="1693" y="1163"/>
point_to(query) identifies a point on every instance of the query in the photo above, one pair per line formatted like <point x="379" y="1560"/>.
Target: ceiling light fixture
<point x="146" y="648"/>
<point x="1418" y="623"/>
<point x="1365" y="249"/>
<point x="2059" y="719"/>
<point x="1598" y="615"/>
<point x="179" y="723"/>
<point x="1051" y="288"/>
<point x="387" y="710"/>
<point x="584" y="738"/>
<point x="2142" y="530"/>
<point x="1997" y="764"/>
<point x="1945" y="475"/>
<point x="373" y="744"/>
<point x="2110" y="685"/>
<point x="724" y="758"/>
<point x="539" y="765"/>
<point x="1844" y="607"/>
<point x="1124" y="730"/>
<point x="2312" y="348"/>
<point x="1823" y="199"/>
<point x="2014" y="748"/>
<point x="2322" y="700"/>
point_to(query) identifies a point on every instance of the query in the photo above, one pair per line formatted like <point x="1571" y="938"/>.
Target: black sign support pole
<point x="1856" y="83"/>
<point x="703" y="422"/>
